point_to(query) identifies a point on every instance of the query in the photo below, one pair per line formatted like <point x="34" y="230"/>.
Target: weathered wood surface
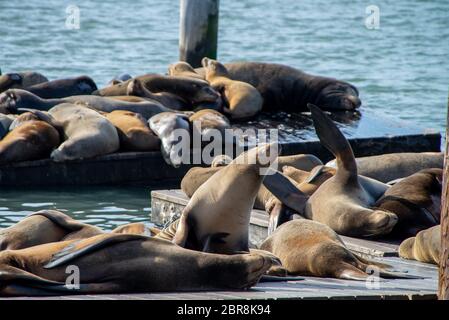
<point x="443" y="292"/>
<point x="167" y="205"/>
<point x="309" y="288"/>
<point x="198" y="30"/>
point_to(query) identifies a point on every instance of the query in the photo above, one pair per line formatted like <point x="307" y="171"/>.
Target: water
<point x="401" y="69"/>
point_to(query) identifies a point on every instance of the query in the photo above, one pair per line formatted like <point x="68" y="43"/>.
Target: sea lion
<point x="342" y="202"/>
<point x="299" y="161"/>
<point x="88" y="133"/>
<point x="5" y="123"/>
<point x="133" y="131"/>
<point x="137" y="228"/>
<point x="416" y="200"/>
<point x="173" y="129"/>
<point x="284" y="88"/>
<point x="241" y="100"/>
<point x="62" y="88"/>
<point x="309" y="248"/>
<point x="183" y="69"/>
<point x="31" y="137"/>
<point x="193" y="91"/>
<point x="134" y="263"/>
<point x="221" y="161"/>
<point x="211" y="125"/>
<point x="424" y="247"/>
<point x="121" y="78"/>
<point x="129" y="98"/>
<point x="14" y="99"/>
<point x="392" y="166"/>
<point x="44" y="226"/>
<point x="20" y="80"/>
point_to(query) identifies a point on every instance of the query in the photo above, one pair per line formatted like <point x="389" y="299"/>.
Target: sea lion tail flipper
<point x="82" y="247"/>
<point x="283" y="189"/>
<point x="397" y="275"/>
<point x="333" y="140"/>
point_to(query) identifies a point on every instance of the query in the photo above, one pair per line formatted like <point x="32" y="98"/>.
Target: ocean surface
<point x="401" y="68"/>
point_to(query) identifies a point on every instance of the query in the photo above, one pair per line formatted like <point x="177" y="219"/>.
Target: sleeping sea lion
<point x="241" y="100"/>
<point x="137" y="228"/>
<point x="134" y="263"/>
<point x="342" y="202"/>
<point x="20" y="80"/>
<point x="62" y="88"/>
<point x="88" y="133"/>
<point x="183" y="69"/>
<point x="133" y="131"/>
<point x="424" y="247"/>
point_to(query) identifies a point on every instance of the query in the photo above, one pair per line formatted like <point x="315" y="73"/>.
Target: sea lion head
<point x="221" y="160"/>
<point x="12" y="99"/>
<point x="339" y="95"/>
<point x="86" y="85"/>
<point x="9" y="80"/>
<point x="180" y="66"/>
<point x="201" y="91"/>
<point x="214" y="68"/>
<point x="378" y="222"/>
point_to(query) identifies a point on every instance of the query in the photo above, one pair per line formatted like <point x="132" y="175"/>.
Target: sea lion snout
<point x="339" y="96"/>
<point x="381" y="222"/>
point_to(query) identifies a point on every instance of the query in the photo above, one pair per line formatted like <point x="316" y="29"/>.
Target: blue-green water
<point x="401" y="69"/>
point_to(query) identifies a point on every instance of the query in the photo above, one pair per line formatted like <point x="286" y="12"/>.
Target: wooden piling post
<point x="443" y="292"/>
<point x="198" y="30"/>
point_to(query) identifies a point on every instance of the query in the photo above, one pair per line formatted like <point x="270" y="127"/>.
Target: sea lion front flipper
<point x="182" y="231"/>
<point x="279" y="214"/>
<point x="333" y="140"/>
<point x="283" y="189"/>
<point x="82" y="247"/>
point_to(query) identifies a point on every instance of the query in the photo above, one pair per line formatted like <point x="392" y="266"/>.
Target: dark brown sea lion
<point x="183" y="69"/>
<point x="21" y="80"/>
<point x="31" y="137"/>
<point x="44" y="226"/>
<point x="416" y="200"/>
<point x="241" y="100"/>
<point x="392" y="166"/>
<point x="424" y="247"/>
<point x="309" y="248"/>
<point x="342" y="202"/>
<point x="62" y="88"/>
<point x="284" y="88"/>
<point x="14" y="99"/>
<point x="133" y="131"/>
<point x="134" y="263"/>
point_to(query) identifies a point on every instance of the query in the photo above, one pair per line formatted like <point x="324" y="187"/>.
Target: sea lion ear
<point x="315" y="173"/>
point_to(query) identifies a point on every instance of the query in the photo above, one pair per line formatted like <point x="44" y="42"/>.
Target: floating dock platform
<point x="368" y="134"/>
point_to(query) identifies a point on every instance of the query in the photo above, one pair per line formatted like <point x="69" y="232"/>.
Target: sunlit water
<point x="401" y="69"/>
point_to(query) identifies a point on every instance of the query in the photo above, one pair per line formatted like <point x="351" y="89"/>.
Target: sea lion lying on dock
<point x="392" y="166"/>
<point x="133" y="131"/>
<point x="14" y="99"/>
<point x="33" y="136"/>
<point x="424" y="247"/>
<point x="120" y="78"/>
<point x="416" y="200"/>
<point x="309" y="248"/>
<point x="183" y="69"/>
<point x="62" y="88"/>
<point x="135" y="264"/>
<point x="284" y="88"/>
<point x="20" y="80"/>
<point x="241" y="100"/>
<point x="88" y="133"/>
<point x="342" y="202"/>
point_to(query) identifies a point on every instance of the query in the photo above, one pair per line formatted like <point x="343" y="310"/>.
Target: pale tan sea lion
<point x="392" y="166"/>
<point x="20" y="80"/>
<point x="133" y="131"/>
<point x="134" y="263"/>
<point x="342" y="202"/>
<point x="14" y="99"/>
<point x="424" y="247"/>
<point x="88" y="133"/>
<point x="241" y="100"/>
<point x="183" y="69"/>
<point x="44" y="226"/>
<point x="137" y="228"/>
<point x="416" y="200"/>
<point x="309" y="248"/>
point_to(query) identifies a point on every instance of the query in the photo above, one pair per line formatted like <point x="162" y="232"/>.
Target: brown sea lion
<point x="32" y="137"/>
<point x="284" y="88"/>
<point x="309" y="248"/>
<point x="14" y="99"/>
<point x="134" y="263"/>
<point x="342" y="202"/>
<point x="88" y="133"/>
<point x="211" y="124"/>
<point x="133" y="131"/>
<point x="183" y="69"/>
<point x="20" y="80"/>
<point x="424" y="247"/>
<point x="416" y="200"/>
<point x="241" y="100"/>
<point x="44" y="226"/>
<point x="62" y="88"/>
<point x="392" y="166"/>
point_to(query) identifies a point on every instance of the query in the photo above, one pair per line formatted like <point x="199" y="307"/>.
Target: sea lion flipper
<point x="182" y="231"/>
<point x="278" y="215"/>
<point x="314" y="173"/>
<point x="333" y="139"/>
<point x="82" y="247"/>
<point x="283" y="189"/>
